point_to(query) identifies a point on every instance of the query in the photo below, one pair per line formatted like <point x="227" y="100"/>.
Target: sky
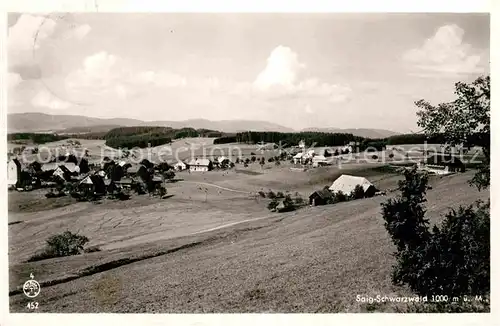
<point x="298" y="70"/>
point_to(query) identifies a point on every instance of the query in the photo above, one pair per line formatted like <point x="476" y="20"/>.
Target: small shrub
<point x="288" y="204"/>
<point x="271" y="159"/>
<point x="252" y="153"/>
<point x="169" y="175"/>
<point x="62" y="245"/>
<point x="262" y="194"/>
<point x="280" y="194"/>
<point x="339" y="197"/>
<point x="358" y="192"/>
<point x="272" y="204"/>
<point x="299" y="200"/>
<point x="271" y="194"/>
<point x="254" y="158"/>
<point x="277" y="163"/>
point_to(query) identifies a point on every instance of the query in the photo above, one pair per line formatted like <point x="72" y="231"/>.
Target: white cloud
<point x="446" y="53"/>
<point x="101" y="74"/>
<point x="45" y="99"/>
<point x="282" y="77"/>
<point x="28" y="27"/>
<point x="32" y="32"/>
<point x="282" y="69"/>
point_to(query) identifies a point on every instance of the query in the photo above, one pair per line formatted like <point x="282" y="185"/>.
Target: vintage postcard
<point x="248" y="162"/>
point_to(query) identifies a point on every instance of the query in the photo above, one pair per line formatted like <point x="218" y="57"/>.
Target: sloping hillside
<point x="317" y="259"/>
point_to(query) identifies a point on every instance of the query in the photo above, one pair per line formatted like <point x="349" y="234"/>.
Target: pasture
<point x="188" y="253"/>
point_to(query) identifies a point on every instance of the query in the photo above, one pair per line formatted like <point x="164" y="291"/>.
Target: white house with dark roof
<point x="200" y="165"/>
<point x="319" y="160"/>
<point x="14" y="169"/>
<point x="180" y="166"/>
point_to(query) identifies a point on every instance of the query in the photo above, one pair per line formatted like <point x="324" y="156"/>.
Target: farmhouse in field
<point x="319" y="160"/>
<point x="441" y="164"/>
<point x="298" y="158"/>
<point x="180" y="166"/>
<point x="200" y="164"/>
<point x="138" y="170"/>
<point x="347" y="183"/>
<point x="320" y="197"/>
<point x="93" y="183"/>
<point x="66" y="171"/>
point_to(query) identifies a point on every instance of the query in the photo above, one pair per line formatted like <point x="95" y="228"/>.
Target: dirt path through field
<point x="216" y="186"/>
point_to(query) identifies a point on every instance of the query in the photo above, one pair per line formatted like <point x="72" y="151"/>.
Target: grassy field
<point x="316" y="259"/>
<point x="212" y="245"/>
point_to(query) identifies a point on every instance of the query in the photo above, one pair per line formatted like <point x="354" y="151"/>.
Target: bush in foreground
<point x="453" y="258"/>
<point x="62" y="245"/>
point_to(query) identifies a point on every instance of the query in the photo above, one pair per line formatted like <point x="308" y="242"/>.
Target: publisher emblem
<point x="31" y="288"/>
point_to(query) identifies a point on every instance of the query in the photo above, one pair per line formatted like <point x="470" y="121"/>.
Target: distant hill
<point x="222" y="125"/>
<point x="34" y="121"/>
<point x="30" y="122"/>
<point x="41" y="122"/>
<point x="360" y="132"/>
<point x="85" y="130"/>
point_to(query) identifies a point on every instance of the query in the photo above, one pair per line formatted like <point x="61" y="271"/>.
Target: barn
<point x="180" y="166"/>
<point x="94" y="184"/>
<point x="66" y="170"/>
<point x="442" y="164"/>
<point x="347" y="183"/>
<point x="200" y="164"/>
<point x="320" y="197"/>
<point x="319" y="160"/>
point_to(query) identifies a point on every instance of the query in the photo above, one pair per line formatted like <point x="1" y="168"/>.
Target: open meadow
<point x="213" y="246"/>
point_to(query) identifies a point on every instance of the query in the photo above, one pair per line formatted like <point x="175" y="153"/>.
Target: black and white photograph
<point x="259" y="162"/>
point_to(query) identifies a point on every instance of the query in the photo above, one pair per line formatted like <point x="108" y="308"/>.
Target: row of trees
<point x="36" y="138"/>
<point x="144" y="136"/>
<point x="293" y="138"/>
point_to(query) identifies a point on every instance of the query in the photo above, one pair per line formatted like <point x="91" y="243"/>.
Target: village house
<point x="125" y="183"/>
<point x="221" y="160"/>
<point x="92" y="183"/>
<point x="319" y="160"/>
<point x="320" y="197"/>
<point x="347" y="183"/>
<point x="63" y="173"/>
<point x="180" y="166"/>
<point x="14" y="169"/>
<point x="441" y="164"/>
<point x="200" y="165"/>
<point x="298" y="158"/>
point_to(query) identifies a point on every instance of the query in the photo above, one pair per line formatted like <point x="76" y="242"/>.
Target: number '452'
<point x="32" y="305"/>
